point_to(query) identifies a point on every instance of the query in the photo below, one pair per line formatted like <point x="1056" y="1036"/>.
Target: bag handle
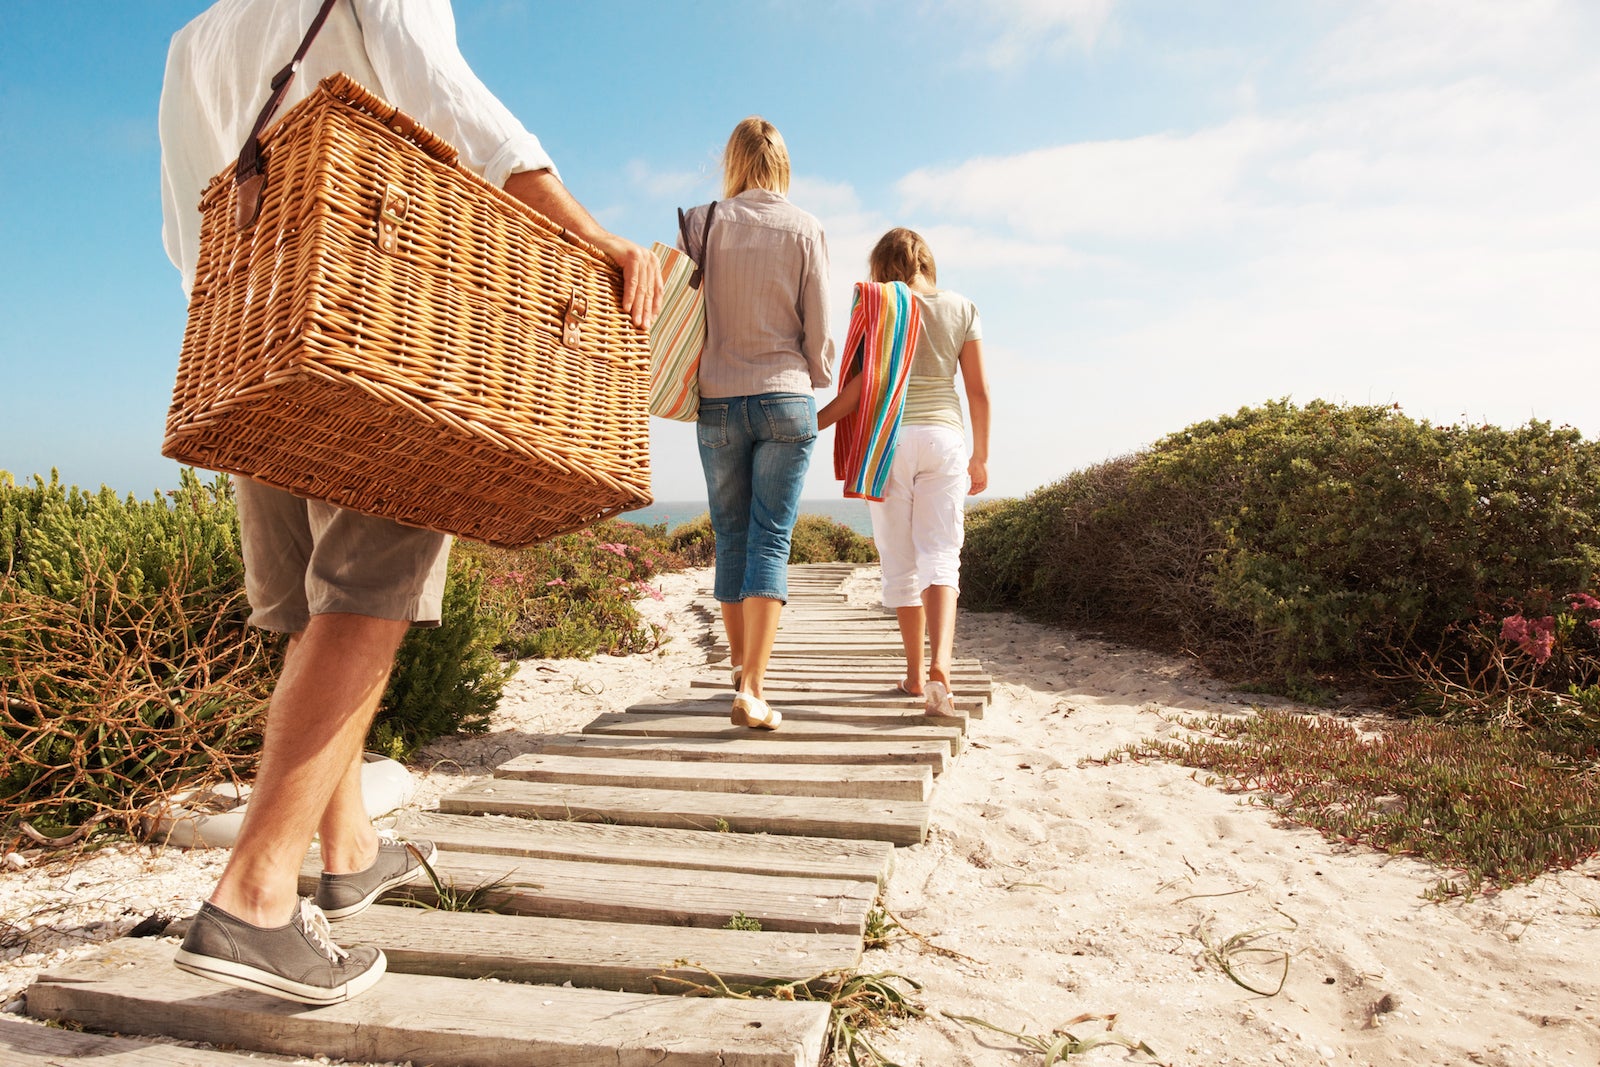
<point x="705" y="244"/>
<point x="250" y="174"/>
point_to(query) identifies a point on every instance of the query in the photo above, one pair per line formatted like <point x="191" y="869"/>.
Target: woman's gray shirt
<point x="766" y="285"/>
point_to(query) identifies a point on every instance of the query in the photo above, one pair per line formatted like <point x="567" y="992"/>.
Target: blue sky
<point x="1164" y="209"/>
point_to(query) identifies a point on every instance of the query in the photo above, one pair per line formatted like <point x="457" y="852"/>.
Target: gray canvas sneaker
<point x="297" y="961"/>
<point x="343" y="895"/>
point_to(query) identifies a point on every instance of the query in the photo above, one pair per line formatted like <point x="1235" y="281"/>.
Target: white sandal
<point x="938" y="700"/>
<point x="754" y="712"/>
<point x="738" y="673"/>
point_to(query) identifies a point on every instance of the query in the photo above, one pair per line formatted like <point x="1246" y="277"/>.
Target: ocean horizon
<point x="674" y="513"/>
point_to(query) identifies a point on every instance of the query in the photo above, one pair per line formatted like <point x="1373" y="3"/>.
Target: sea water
<point x="852" y="513"/>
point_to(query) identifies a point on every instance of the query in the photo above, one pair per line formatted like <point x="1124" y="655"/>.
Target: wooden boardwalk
<point x="614" y="860"/>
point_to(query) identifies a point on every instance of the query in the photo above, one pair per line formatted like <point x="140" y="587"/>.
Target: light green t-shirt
<point x="949" y="321"/>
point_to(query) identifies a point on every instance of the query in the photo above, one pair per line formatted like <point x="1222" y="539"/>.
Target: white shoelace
<point x="316" y="924"/>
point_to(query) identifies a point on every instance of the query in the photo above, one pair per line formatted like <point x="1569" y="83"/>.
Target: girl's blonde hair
<point x="756" y="158"/>
<point x="900" y="255"/>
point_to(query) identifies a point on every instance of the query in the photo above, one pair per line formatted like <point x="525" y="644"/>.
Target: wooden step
<point x="589" y="954"/>
<point x="33" y="1044"/>
<point x="798" y="709"/>
<point x="727" y="750"/>
<point x="796" y="780"/>
<point x="900" y="822"/>
<point x="651" y="846"/>
<point x="640" y="724"/>
<point x="907" y="707"/>
<point x="133" y="987"/>
<point x="776" y="682"/>
<point x="615" y="892"/>
<point x="892" y="667"/>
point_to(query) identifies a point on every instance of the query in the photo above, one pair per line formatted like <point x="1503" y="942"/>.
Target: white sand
<point x="1065" y="889"/>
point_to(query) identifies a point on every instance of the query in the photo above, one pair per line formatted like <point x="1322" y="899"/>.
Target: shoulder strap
<point x="249" y="175"/>
<point x="705" y="244"/>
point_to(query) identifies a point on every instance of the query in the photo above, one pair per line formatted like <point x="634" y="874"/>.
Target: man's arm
<point x="641" y="273"/>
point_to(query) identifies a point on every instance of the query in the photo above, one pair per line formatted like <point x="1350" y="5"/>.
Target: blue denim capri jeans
<point x="755" y="451"/>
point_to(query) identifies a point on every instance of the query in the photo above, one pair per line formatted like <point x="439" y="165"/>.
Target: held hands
<point x="978" y="471"/>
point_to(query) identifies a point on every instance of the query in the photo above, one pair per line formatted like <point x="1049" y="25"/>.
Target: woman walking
<point x="765" y="266"/>
<point x="918" y="525"/>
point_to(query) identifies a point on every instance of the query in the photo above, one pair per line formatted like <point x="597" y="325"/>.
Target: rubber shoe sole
<point x="243" y="976"/>
<point x="278" y="960"/>
<point x="328" y="888"/>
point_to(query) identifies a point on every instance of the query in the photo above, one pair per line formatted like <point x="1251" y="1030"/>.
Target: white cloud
<point x="682" y="186"/>
<point x="1154" y="187"/>
<point x="1384" y="41"/>
<point x="1022" y="29"/>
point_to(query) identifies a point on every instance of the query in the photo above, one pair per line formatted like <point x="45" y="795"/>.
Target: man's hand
<point x="641" y="279"/>
<point x="641" y="273"/>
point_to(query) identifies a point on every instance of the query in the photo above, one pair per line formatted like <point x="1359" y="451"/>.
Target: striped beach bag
<point x="679" y="333"/>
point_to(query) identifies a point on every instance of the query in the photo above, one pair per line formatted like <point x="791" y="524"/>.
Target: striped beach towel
<point x="884" y="324"/>
<point x="676" y="339"/>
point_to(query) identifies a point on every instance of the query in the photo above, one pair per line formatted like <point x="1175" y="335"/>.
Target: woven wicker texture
<point x="428" y="384"/>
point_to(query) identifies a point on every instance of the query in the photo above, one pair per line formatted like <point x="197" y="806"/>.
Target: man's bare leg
<point x="316" y="724"/>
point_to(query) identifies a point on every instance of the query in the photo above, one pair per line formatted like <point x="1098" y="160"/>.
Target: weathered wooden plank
<point x="616" y="892"/>
<point x="774" y="682"/>
<point x="670" y="725"/>
<point x="835" y="648"/>
<point x="908" y="707"/>
<point x="893" y="666"/>
<point x="133" y="987"/>
<point x="591" y="955"/>
<point x="903" y="822"/>
<point x="730" y="750"/>
<point x="797" y="709"/>
<point x="652" y="846"/>
<point x="31" y="1044"/>
<point x="787" y="779"/>
<point x="865" y="670"/>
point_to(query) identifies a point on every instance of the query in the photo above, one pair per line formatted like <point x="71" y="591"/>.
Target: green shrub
<point x="695" y="541"/>
<point x="1291" y="540"/>
<point x="816" y="539"/>
<point x="819" y="539"/>
<point x="127" y="669"/>
<point x="574" y="595"/>
<point x="447" y="679"/>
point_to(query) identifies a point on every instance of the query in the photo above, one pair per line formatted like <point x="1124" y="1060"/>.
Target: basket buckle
<point x="391" y="213"/>
<point x="572" y="321"/>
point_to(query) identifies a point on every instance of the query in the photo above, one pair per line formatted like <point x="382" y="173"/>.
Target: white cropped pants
<point x="919" y="525"/>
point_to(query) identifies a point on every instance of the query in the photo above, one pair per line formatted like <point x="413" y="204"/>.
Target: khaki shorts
<point x="305" y="558"/>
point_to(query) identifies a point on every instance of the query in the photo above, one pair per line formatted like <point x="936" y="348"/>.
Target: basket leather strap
<point x="250" y="174"/>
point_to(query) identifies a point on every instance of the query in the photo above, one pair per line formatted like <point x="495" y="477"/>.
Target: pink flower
<point x="1534" y="637"/>
<point x="655" y="594"/>
<point x="613" y="546"/>
<point x="1594" y="624"/>
<point x="1584" y="602"/>
<point x="556" y="581"/>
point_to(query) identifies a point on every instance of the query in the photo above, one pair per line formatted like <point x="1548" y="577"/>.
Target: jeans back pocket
<point x="791" y="419"/>
<point x="712" y="425"/>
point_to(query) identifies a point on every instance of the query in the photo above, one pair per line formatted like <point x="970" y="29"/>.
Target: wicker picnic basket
<point x="395" y="335"/>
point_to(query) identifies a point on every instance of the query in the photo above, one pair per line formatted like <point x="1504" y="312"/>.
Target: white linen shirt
<point x="220" y="66"/>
